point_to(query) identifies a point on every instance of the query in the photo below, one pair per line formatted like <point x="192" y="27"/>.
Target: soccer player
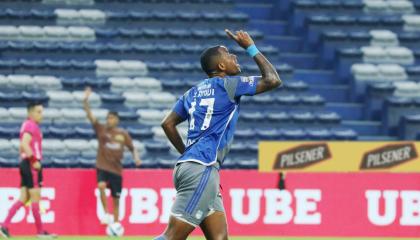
<point x="211" y="108"/>
<point x="111" y="143"/>
<point x="30" y="170"/>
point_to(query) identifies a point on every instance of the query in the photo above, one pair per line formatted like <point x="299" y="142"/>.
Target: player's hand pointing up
<point x="88" y="91"/>
<point x="242" y="38"/>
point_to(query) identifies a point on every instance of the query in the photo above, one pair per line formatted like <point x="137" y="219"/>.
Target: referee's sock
<point x="37" y="216"/>
<point x="12" y="213"/>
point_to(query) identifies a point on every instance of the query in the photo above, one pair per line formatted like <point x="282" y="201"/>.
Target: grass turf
<point x="201" y="238"/>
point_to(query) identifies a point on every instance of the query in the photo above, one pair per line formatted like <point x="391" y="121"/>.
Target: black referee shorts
<point x="112" y="180"/>
<point x="29" y="177"/>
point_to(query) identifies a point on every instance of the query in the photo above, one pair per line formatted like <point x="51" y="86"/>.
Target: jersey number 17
<point x="209" y="102"/>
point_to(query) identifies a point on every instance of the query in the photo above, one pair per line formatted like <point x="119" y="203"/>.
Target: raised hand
<point x="88" y="92"/>
<point x="242" y="38"/>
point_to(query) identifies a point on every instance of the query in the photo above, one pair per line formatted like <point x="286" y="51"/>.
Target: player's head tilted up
<point x="35" y="110"/>
<point x="218" y="61"/>
<point x="112" y="119"/>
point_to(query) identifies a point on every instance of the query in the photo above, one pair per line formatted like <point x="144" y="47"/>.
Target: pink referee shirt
<point x="31" y="127"/>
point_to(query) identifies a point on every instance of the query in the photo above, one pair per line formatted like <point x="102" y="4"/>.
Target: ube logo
<point x="302" y="156"/>
<point x="388" y="156"/>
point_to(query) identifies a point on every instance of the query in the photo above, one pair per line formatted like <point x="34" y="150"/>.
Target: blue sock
<point x="161" y="237"/>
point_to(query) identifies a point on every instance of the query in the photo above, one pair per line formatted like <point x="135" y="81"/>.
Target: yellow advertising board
<point x="339" y="156"/>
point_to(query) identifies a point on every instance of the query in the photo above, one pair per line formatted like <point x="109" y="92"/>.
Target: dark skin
<point x="214" y="226"/>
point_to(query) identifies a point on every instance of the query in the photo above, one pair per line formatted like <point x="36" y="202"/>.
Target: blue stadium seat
<point x="295" y="86"/>
<point x="10" y="97"/>
<point x="302" y="117"/>
<point x="319" y="134"/>
<point x="202" y="33"/>
<point x="279" y="118"/>
<point x="111" y="98"/>
<point x="117" y="15"/>
<point x="48" y="46"/>
<point x="84" y="132"/>
<point x="130" y="32"/>
<point x="163" y="15"/>
<point x="106" y="33"/>
<point x="158" y="66"/>
<point x="212" y="16"/>
<point x="128" y="115"/>
<point x="252" y="117"/>
<point x="312" y="100"/>
<point x="86" y="162"/>
<point x="245" y="134"/>
<point x="32" y="64"/>
<point x="154" y="33"/>
<point x="327" y="117"/>
<point x="61" y="132"/>
<point x="140" y="133"/>
<point x="9" y="131"/>
<point x="73" y="83"/>
<point x="20" y="46"/>
<point x="98" y="83"/>
<point x="293" y="133"/>
<point x="168" y="48"/>
<point x="288" y="100"/>
<point x="54" y="64"/>
<point x="229" y="163"/>
<point x="191" y="48"/>
<point x="236" y="17"/>
<point x="65" y="162"/>
<point x="246" y="162"/>
<point x="188" y="15"/>
<point x="119" y="48"/>
<point x="268" y="134"/>
<point x="35" y="96"/>
<point x="344" y="134"/>
<point x="82" y="64"/>
<point x="154" y="147"/>
<point x="68" y="47"/>
<point x="167" y="162"/>
<point x="9" y="64"/>
<point x="140" y="15"/>
<point x="18" y="14"/>
<point x="394" y="109"/>
<point x="144" y="48"/>
<point x="149" y="163"/>
<point x="409" y="126"/>
<point x="9" y="161"/>
<point x="91" y="47"/>
<point x="42" y="14"/>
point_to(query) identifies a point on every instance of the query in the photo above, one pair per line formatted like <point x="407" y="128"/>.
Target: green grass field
<point x="201" y="238"/>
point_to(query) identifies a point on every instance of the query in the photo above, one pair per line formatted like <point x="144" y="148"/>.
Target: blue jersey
<point x="212" y="109"/>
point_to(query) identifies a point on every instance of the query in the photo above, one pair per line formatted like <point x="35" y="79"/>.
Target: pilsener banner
<point x="313" y="204"/>
<point x="339" y="156"/>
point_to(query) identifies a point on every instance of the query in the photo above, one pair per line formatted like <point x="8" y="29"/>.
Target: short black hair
<point x="32" y="105"/>
<point x="114" y="113"/>
<point x="209" y="59"/>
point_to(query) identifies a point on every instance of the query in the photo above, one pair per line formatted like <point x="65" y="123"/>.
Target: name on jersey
<point x="204" y="90"/>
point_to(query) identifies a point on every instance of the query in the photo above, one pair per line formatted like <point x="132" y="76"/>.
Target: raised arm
<point x="269" y="77"/>
<point x="169" y="124"/>
<point x="86" y="106"/>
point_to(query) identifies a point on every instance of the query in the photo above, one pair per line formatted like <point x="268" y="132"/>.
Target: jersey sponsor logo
<point x="249" y="80"/>
<point x="119" y="138"/>
<point x="388" y="156"/>
<point x="302" y="156"/>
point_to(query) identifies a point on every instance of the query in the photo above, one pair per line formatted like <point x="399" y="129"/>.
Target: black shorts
<point x="29" y="177"/>
<point x="112" y="180"/>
